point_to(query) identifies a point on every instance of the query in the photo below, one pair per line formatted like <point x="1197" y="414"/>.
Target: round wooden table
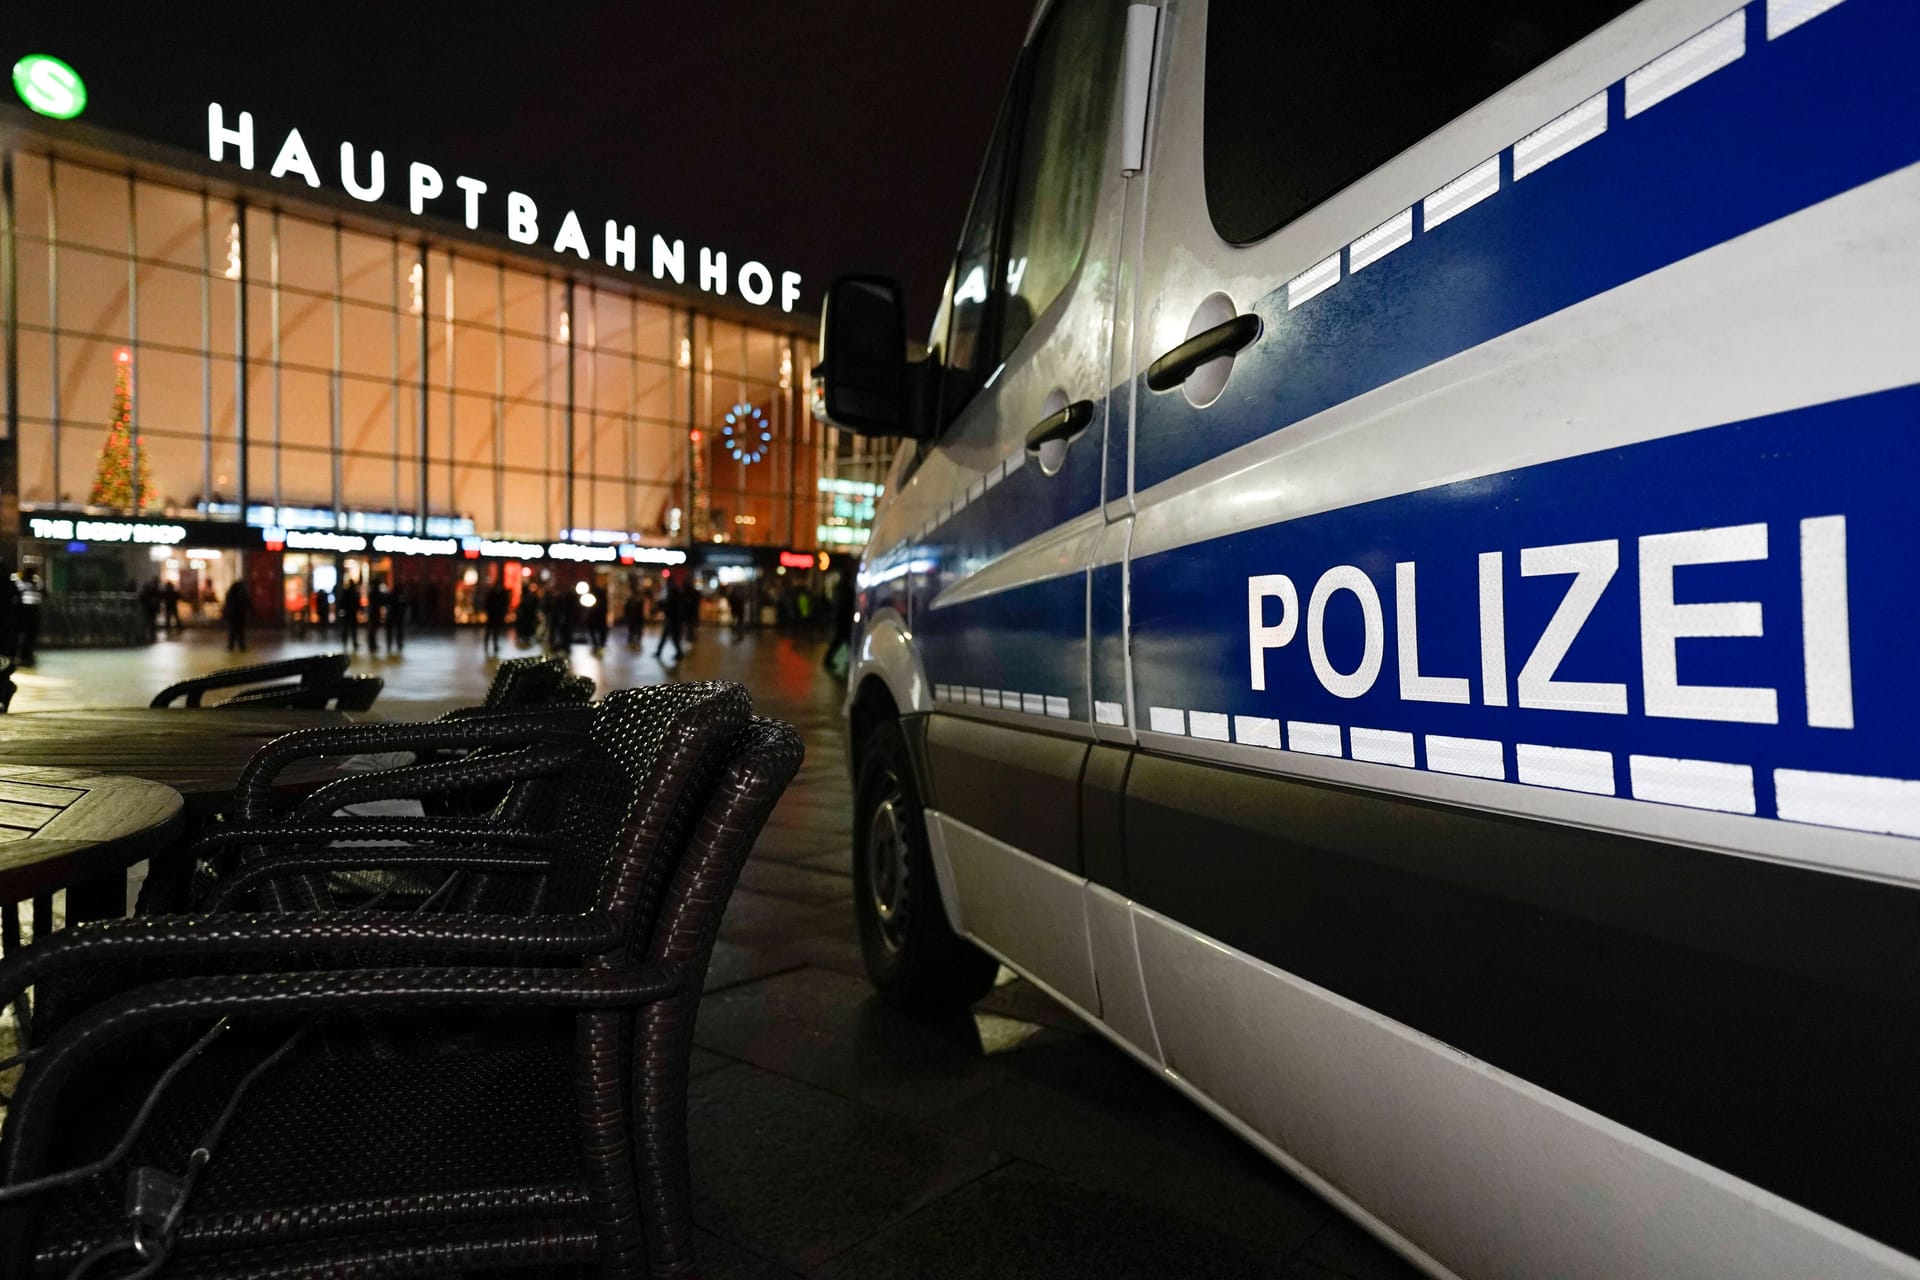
<point x="77" y="830"/>
<point x="63" y="827"/>
<point x="198" y="753"/>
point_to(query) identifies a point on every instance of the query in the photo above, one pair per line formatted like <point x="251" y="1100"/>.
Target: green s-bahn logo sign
<point x="49" y="86"/>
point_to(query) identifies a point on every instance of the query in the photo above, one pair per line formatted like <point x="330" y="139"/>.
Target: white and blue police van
<point x="1398" y="601"/>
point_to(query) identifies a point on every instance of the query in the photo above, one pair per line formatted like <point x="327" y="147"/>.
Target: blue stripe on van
<point x="1852" y="459"/>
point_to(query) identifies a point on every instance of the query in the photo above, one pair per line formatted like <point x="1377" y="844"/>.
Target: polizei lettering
<point x="1522" y="665"/>
<point x="364" y="176"/>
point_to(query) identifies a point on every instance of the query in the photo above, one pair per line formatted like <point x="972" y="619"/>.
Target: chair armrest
<point x="275" y="934"/>
<point x="347" y="693"/>
<point x="317" y="666"/>
<point x="373" y="858"/>
<point x="255" y="786"/>
<point x="481" y="772"/>
<point x="435" y="830"/>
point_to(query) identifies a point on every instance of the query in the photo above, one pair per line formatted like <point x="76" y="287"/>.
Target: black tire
<point x="914" y="958"/>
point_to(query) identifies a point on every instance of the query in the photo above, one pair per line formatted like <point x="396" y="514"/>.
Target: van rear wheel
<point x="914" y="958"/>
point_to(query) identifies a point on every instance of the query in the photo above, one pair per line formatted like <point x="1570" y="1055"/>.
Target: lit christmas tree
<point x="113" y="482"/>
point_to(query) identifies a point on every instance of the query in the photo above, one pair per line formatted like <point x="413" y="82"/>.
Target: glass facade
<point x="289" y="369"/>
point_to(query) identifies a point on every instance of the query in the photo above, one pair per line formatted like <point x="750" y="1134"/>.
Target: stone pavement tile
<point x="795" y="1173"/>
<point x="734" y="963"/>
<point x="836" y="858"/>
<point x="721" y="1260"/>
<point x="1344" y="1249"/>
<point x="796" y="884"/>
<point x="829" y="1030"/>
<point x="812" y="830"/>
<point x="704" y="1061"/>
<point x="817" y="850"/>
<point x="1210" y="1177"/>
<point x="758" y="920"/>
<point x="1020" y="1222"/>
<point x="837" y="949"/>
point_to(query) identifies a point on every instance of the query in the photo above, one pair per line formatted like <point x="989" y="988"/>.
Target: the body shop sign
<point x="366" y="175"/>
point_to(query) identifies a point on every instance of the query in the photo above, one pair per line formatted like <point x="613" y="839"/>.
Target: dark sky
<point x="815" y="135"/>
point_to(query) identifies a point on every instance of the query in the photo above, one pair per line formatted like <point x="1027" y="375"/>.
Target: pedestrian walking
<point x="236" y="609"/>
<point x="526" y="620"/>
<point x="838" y="647"/>
<point x="149" y="598"/>
<point x="737" y="606"/>
<point x="399" y="604"/>
<point x="597" y="604"/>
<point x="170" y="604"/>
<point x="673" y="614"/>
<point x="377" y="606"/>
<point x="494" y="609"/>
<point x="9" y="614"/>
<point x="634" y="615"/>
<point x="28" y="598"/>
<point x="346" y="607"/>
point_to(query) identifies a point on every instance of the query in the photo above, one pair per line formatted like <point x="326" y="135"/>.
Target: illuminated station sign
<point x="364" y="175"/>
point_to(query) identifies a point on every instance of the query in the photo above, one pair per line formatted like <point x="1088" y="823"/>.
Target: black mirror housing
<point x="863" y="382"/>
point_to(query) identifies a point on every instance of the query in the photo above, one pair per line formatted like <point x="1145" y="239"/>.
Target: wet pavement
<point x="833" y="1137"/>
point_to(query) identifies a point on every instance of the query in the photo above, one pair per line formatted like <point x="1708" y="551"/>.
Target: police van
<point x="1397" y="602"/>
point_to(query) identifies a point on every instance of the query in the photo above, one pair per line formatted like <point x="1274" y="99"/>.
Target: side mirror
<point x="862" y="381"/>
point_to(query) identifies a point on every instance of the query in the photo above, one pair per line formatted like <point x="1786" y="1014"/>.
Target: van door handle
<point x="1064" y="425"/>
<point x="1175" y="367"/>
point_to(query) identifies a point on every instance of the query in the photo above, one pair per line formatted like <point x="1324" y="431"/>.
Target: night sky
<point x="815" y="135"/>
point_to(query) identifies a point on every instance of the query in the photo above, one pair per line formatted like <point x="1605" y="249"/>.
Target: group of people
<point x="382" y="607"/>
<point x="160" y="606"/>
<point x="558" y="616"/>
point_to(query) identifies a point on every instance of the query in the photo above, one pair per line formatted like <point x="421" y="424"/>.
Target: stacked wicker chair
<point x="406" y="1090"/>
<point x="316" y="683"/>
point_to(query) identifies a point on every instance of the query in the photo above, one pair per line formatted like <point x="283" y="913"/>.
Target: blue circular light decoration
<point x="747" y="434"/>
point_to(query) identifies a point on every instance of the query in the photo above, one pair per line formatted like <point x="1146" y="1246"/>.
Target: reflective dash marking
<point x="1057" y="707"/>
<point x="1381" y="241"/>
<point x="1211" y="725"/>
<point x="1473" y="757"/>
<point x="973" y="696"/>
<point x="1687" y="63"/>
<point x="1108" y="713"/>
<point x="1256" y="731"/>
<point x="990" y="697"/>
<point x="1382" y="746"/>
<point x="1314" y="281"/>
<point x="1889" y="805"/>
<point x="1314" y="739"/>
<point x="1567" y="768"/>
<point x="1033" y="704"/>
<point x="1464" y="192"/>
<point x="1166" y="720"/>
<point x="1784" y="15"/>
<point x="1560" y="135"/>
<point x="1697" y="784"/>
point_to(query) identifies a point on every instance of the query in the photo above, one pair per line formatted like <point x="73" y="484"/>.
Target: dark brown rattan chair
<point x="552" y="1139"/>
<point x="259" y="824"/>
<point x="291" y="673"/>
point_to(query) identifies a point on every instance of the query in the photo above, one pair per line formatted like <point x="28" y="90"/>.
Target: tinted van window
<point x="1074" y="70"/>
<point x="1305" y="98"/>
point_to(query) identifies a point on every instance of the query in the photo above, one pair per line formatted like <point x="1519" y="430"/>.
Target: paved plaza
<point x="831" y="1136"/>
